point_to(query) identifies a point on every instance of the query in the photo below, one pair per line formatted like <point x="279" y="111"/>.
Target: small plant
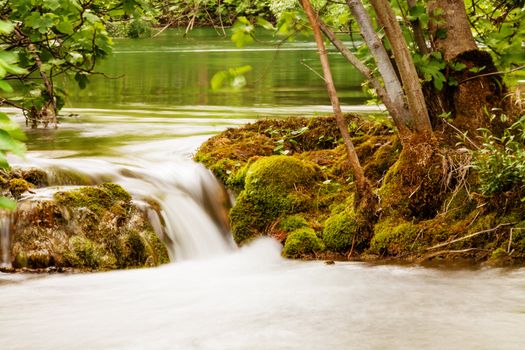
<point x="500" y="162"/>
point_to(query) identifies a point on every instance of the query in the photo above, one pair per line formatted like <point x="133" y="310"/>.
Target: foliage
<point x="232" y="78"/>
<point x="500" y="162"/>
<point x="51" y="38"/>
<point x="500" y="26"/>
<point x="10" y="133"/>
<point x="207" y="12"/>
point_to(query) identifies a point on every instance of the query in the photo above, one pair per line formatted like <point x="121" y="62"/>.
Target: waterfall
<point x="192" y="219"/>
<point x="5" y="226"/>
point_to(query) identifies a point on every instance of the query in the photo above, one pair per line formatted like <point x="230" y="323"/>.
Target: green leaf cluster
<point x="233" y="78"/>
<point x="10" y="133"/>
<point x="52" y="38"/>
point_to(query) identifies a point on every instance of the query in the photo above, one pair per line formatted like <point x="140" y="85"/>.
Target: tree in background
<point x="52" y="38"/>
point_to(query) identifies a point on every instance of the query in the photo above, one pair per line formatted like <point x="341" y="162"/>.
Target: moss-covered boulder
<point x="274" y="186"/>
<point x="393" y="236"/>
<point x="302" y="243"/>
<point x="341" y="230"/>
<point x="86" y="228"/>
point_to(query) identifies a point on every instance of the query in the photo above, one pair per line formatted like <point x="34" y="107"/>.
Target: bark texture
<point x="416" y="101"/>
<point x="384" y="65"/>
<point x="396" y="111"/>
<point x="451" y="29"/>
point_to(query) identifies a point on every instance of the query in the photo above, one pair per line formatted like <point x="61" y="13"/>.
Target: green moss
<point x="246" y="221"/>
<point x="97" y="199"/>
<point x="20" y="260"/>
<point x="274" y="186"/>
<point x="339" y="232"/>
<point x="499" y="258"/>
<point x="293" y="222"/>
<point x="236" y="179"/>
<point x="302" y="243"/>
<point x="281" y="183"/>
<point x="18" y="186"/>
<point x="393" y="236"/>
<point x="156" y="250"/>
<point x="84" y="253"/>
<point x="134" y="252"/>
<point x="116" y="192"/>
<point x="382" y="159"/>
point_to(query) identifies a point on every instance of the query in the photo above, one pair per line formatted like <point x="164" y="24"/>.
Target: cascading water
<point x="5" y="224"/>
<point x="192" y="203"/>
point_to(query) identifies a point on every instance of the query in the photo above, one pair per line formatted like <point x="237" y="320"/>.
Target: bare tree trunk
<point x="393" y="109"/>
<point x="384" y="65"/>
<point x="453" y="23"/>
<point x="405" y="65"/>
<point x="363" y="188"/>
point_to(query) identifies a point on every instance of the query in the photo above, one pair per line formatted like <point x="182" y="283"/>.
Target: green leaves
<point x="65" y="27"/>
<point x="242" y="32"/>
<point x="10" y="136"/>
<point x="231" y="78"/>
<point x="430" y="67"/>
<point x="7" y="203"/>
<point x="500" y="162"/>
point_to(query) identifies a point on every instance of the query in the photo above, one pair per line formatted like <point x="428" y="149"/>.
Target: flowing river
<point x="140" y="130"/>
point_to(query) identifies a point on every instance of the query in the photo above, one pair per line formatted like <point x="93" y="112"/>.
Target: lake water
<point x="150" y="122"/>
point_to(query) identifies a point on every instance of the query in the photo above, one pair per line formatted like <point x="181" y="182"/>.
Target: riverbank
<point x="292" y="182"/>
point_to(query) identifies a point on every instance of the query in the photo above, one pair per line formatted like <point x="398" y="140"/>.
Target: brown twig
<point x="470" y="236"/>
<point x="490" y="74"/>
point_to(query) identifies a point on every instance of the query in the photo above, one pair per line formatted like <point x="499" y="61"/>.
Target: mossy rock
<point x="247" y="222"/>
<point x="394" y="236"/>
<point x="302" y="243"/>
<point x="95" y="198"/>
<point x="274" y="186"/>
<point x="340" y="230"/>
<point x="88" y="228"/>
<point x="293" y="222"/>
<point x="35" y="176"/>
<point x="18" y="186"/>
<point x="84" y="253"/>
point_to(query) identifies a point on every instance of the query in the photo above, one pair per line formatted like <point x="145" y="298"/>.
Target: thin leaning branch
<point x="363" y="187"/>
<point x="471" y="235"/>
<point x="491" y="73"/>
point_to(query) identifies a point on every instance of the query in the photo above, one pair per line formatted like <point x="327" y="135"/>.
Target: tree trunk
<point x="476" y="94"/>
<point x="405" y="65"/>
<point x="451" y="29"/>
<point x="393" y="109"/>
<point x="384" y="65"/>
<point x="363" y="187"/>
<point x="417" y="29"/>
<point x="48" y="112"/>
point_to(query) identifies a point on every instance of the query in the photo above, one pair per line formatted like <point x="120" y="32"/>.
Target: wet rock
<point x="86" y="228"/>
